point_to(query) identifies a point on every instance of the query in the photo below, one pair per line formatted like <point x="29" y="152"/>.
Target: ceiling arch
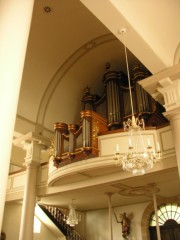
<point x="69" y="46"/>
<point x="62" y="59"/>
<point x="64" y="68"/>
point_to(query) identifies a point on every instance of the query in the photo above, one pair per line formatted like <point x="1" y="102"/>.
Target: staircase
<point x="57" y="218"/>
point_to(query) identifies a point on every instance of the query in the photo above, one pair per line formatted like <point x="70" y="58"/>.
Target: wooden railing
<point x="57" y="217"/>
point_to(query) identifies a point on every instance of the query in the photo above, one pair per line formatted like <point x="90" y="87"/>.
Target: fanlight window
<point x="166" y="213"/>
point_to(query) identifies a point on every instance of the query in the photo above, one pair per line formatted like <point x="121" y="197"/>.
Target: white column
<point x="29" y="202"/>
<point x="170" y="89"/>
<point x="15" y="20"/>
<point x="174" y="117"/>
<point x="110" y="216"/>
<point x="32" y="161"/>
<point x="156" y="214"/>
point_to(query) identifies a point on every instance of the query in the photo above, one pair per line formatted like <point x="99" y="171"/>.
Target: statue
<point x="125" y="222"/>
<point x="3" y="236"/>
<point x="125" y="225"/>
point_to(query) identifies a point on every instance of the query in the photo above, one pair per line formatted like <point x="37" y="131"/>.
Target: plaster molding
<point x="153" y="83"/>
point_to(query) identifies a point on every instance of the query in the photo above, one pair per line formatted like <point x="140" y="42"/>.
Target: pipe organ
<point x="144" y="101"/>
<point x="112" y="83"/>
<point x="72" y="142"/>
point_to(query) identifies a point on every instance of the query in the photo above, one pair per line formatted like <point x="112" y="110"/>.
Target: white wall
<point x="44" y="235"/>
<point x="97" y="223"/>
<point x="94" y="225"/>
<point x="81" y="226"/>
<point x="11" y="224"/>
<point x="11" y="220"/>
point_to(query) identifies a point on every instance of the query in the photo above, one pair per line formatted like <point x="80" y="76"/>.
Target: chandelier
<point x="73" y="218"/>
<point x="139" y="157"/>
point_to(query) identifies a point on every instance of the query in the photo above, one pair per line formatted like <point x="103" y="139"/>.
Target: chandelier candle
<point x="138" y="158"/>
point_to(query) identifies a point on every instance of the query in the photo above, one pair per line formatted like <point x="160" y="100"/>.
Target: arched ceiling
<point x="69" y="46"/>
<point x="67" y="51"/>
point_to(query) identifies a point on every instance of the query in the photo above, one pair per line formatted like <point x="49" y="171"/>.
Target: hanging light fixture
<point x="138" y="158"/>
<point x="73" y="218"/>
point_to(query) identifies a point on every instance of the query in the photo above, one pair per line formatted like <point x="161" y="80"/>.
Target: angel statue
<point x="3" y="236"/>
<point x="125" y="221"/>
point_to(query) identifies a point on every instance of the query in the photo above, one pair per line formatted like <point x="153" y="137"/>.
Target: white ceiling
<point x="68" y="49"/>
<point x="126" y="191"/>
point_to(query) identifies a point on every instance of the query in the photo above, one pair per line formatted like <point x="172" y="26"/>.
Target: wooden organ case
<point x="77" y="142"/>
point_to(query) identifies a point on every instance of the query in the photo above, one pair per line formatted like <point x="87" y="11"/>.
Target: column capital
<point x="33" y="144"/>
<point x="172" y="114"/>
<point x="33" y="152"/>
<point x="171" y="93"/>
<point x="31" y="136"/>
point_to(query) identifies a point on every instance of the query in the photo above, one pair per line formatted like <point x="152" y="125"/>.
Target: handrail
<point x="57" y="217"/>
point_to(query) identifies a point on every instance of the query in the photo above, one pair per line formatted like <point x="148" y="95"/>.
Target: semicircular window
<point x="168" y="220"/>
<point x="166" y="213"/>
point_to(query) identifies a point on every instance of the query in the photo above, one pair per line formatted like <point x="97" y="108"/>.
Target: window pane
<point x="163" y="218"/>
<point x="166" y="212"/>
<point x="173" y="215"/>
